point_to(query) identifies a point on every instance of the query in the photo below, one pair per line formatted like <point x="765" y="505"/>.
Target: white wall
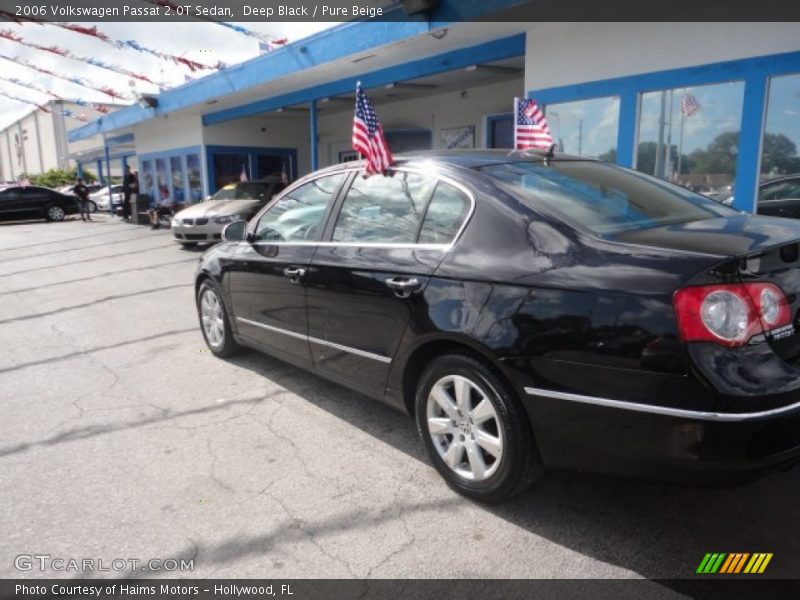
<point x="160" y="134"/>
<point x="277" y="131"/>
<point x="47" y="139"/>
<point x="435" y="112"/>
<point x="565" y="53"/>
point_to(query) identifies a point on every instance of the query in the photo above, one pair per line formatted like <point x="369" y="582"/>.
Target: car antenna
<point x="548" y="156"/>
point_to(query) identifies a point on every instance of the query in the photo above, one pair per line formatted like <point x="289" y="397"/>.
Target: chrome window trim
<point x="660" y="410"/>
<point x="347" y="171"/>
<point x="308" y="338"/>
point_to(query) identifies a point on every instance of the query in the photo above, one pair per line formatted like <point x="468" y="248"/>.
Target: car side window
<point x="781" y="190"/>
<point x="383" y="209"/>
<point x="447" y="211"/>
<point x="298" y="215"/>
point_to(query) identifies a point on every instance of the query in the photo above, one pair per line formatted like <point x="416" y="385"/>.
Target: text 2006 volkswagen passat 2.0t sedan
<point x="529" y="311"/>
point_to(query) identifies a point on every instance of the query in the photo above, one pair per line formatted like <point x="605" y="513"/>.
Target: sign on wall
<point x="457" y="137"/>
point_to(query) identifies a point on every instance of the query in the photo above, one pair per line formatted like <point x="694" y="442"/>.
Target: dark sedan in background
<point x="529" y="311"/>
<point x="34" y="202"/>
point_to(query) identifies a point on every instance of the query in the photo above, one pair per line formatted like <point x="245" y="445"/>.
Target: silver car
<point x="203" y="223"/>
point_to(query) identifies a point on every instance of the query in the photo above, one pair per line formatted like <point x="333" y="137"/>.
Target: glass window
<point x="602" y="198"/>
<point x="690" y="136"/>
<point x="780" y="190"/>
<point x="148" y="183"/>
<point x="269" y="164"/>
<point x="782" y="131"/>
<point x="298" y="215"/>
<point x="228" y="168"/>
<point x="501" y="132"/>
<point x="586" y="127"/>
<point x="383" y="209"/>
<point x="446" y="212"/>
<point x="178" y="193"/>
<point x="161" y="179"/>
<point x="195" y="182"/>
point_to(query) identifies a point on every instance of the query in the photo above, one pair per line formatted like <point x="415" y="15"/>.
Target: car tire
<point x="92" y="206"/>
<point x="485" y="452"/>
<point x="188" y="245"/>
<point x="214" y="321"/>
<point x="54" y="212"/>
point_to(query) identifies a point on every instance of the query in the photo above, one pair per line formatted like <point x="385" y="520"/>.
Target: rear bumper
<point x="644" y="441"/>
<point x="707" y="426"/>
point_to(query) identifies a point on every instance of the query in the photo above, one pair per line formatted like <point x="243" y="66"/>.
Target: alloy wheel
<point x="464" y="427"/>
<point x="55" y="213"/>
<point x="212" y="318"/>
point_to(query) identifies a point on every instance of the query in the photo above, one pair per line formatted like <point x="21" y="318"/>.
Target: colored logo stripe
<point x="734" y="563"/>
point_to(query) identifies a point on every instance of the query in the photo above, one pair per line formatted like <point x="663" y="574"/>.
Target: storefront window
<point x="194" y="177"/>
<point x="691" y="136"/>
<point x="585" y="127"/>
<point x="162" y="183"/>
<point x="782" y="132"/>
<point x="500" y="131"/>
<point x="147" y="182"/>
<point x="269" y="164"/>
<point x="178" y="193"/>
<point x="228" y="168"/>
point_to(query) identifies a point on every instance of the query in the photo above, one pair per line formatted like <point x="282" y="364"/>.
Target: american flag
<point x="368" y="138"/>
<point x="689" y="105"/>
<point x="530" y="129"/>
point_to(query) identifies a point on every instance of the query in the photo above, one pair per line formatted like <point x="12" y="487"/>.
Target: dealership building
<point x="713" y="106"/>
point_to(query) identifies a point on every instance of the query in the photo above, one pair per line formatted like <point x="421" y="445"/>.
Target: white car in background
<point x="100" y="198"/>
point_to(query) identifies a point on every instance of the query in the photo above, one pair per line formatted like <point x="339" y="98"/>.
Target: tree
<point x="646" y="158"/>
<point x="779" y="155"/>
<point x="57" y="177"/>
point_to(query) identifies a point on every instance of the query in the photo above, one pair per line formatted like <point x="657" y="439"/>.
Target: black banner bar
<point x="730" y="588"/>
<point x="397" y="10"/>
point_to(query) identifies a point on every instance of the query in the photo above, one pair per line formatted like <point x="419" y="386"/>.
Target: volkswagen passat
<point x="529" y="311"/>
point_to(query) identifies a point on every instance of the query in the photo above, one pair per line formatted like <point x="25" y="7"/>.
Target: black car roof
<point x="470" y="159"/>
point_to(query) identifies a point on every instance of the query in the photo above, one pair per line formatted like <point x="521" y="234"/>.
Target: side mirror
<point x="235" y="232"/>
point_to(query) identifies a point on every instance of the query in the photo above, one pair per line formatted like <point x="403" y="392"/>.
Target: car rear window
<point x="603" y="199"/>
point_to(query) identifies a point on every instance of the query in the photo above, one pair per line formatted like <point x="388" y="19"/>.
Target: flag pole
<point x="680" y="144"/>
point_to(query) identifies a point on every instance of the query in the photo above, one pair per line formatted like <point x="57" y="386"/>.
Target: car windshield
<point x="244" y="191"/>
<point x="603" y="199"/>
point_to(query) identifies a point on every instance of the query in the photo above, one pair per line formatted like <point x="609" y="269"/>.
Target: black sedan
<point x="34" y="202"/>
<point x="529" y="311"/>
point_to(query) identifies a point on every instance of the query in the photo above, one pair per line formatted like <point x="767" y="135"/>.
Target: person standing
<point x="82" y="193"/>
<point x="130" y="186"/>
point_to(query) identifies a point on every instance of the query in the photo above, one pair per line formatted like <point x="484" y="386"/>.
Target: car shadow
<point x="654" y="530"/>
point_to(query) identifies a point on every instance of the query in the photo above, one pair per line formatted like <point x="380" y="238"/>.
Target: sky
<point x="200" y="41"/>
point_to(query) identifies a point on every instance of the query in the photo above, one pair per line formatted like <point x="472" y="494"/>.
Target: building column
<point x="100" y="171"/>
<point x="110" y="195"/>
<point x="313" y="127"/>
<point x="79" y="169"/>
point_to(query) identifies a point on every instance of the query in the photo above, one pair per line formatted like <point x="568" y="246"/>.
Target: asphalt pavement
<point x="122" y="437"/>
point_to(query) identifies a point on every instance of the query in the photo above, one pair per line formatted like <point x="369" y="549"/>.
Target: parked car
<point x="34" y="202"/>
<point x="529" y="311"/>
<point x="70" y="188"/>
<point x="777" y="197"/>
<point x="204" y="222"/>
<point x="101" y="199"/>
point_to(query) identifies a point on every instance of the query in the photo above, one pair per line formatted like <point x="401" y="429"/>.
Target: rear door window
<point x="447" y="211"/>
<point x="384" y="210"/>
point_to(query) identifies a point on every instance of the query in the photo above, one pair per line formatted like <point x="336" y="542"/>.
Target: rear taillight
<point x="730" y="314"/>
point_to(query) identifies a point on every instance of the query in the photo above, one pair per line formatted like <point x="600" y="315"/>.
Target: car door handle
<point x="403" y="286"/>
<point x="294" y="273"/>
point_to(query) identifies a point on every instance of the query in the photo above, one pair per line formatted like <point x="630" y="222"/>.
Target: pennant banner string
<point x="76" y="80"/>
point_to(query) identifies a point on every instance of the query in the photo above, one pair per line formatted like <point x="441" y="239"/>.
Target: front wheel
<point x="92" y="206"/>
<point x="55" y="213"/>
<point x="475" y="431"/>
<point x="214" y="321"/>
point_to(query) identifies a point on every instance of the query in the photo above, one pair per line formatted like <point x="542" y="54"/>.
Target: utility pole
<point x="580" y="137"/>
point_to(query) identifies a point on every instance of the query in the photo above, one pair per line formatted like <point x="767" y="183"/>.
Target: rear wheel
<point x="55" y="213"/>
<point x="92" y="206"/>
<point x="475" y="431"/>
<point x="214" y="321"/>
